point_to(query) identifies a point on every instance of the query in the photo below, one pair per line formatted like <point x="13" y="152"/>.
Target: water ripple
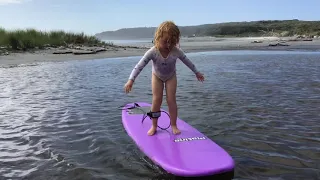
<point x="60" y="120"/>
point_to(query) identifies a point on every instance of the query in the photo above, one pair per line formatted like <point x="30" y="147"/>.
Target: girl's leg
<point x="171" y="87"/>
<point x="157" y="95"/>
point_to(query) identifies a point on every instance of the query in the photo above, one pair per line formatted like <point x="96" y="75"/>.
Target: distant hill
<point x="239" y="29"/>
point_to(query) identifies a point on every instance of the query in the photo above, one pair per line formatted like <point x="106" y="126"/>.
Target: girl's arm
<point x="141" y="64"/>
<point x="182" y="56"/>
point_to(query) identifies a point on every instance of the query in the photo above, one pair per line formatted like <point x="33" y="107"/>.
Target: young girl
<point x="163" y="55"/>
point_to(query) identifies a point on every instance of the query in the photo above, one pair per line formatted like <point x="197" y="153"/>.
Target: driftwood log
<point x="78" y="51"/>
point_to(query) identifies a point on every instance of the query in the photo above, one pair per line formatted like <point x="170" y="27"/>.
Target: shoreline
<point x="189" y="45"/>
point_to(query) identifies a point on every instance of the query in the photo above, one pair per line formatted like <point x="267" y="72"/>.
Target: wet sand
<point x="193" y="44"/>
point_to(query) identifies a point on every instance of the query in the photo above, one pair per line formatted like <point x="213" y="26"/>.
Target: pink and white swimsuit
<point x="163" y="68"/>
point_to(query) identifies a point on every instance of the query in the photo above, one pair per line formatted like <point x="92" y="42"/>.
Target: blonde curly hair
<point x="169" y="28"/>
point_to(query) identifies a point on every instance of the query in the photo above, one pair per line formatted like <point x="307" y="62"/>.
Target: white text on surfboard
<point x="189" y="139"/>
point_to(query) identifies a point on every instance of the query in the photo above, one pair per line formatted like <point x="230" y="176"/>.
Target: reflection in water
<point x="60" y="120"/>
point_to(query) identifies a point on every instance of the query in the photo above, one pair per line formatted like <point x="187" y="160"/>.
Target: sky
<point x="95" y="16"/>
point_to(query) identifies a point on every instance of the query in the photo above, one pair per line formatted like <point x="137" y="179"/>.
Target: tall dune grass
<point x="32" y="38"/>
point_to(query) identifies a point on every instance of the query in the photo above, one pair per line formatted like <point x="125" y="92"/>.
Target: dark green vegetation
<point x="31" y="38"/>
<point x="232" y="29"/>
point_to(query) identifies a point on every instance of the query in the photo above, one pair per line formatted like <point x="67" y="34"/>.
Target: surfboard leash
<point x="149" y="114"/>
<point x="145" y="114"/>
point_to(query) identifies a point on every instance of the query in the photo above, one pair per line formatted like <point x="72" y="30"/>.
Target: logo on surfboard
<point x="189" y="139"/>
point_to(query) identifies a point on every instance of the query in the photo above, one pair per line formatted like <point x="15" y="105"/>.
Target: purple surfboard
<point x="189" y="154"/>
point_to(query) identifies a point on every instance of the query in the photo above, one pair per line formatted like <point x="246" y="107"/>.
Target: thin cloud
<point x="4" y="2"/>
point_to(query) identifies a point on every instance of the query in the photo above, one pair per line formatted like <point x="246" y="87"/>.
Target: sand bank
<point x="194" y="44"/>
<point x="50" y="56"/>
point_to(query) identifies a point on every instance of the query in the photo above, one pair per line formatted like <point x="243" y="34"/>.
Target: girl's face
<point x="165" y="42"/>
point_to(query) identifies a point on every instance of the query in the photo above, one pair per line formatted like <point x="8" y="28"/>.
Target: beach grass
<point x="24" y="39"/>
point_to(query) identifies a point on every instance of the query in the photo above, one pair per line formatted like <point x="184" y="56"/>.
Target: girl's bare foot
<point x="152" y="131"/>
<point x="175" y="130"/>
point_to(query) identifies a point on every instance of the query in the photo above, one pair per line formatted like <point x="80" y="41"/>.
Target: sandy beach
<point x="49" y="56"/>
<point x="193" y="44"/>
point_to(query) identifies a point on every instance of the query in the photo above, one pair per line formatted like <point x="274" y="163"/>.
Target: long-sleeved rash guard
<point x="163" y="68"/>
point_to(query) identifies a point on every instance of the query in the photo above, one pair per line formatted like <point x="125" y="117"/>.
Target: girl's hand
<point x="200" y="76"/>
<point x="128" y="86"/>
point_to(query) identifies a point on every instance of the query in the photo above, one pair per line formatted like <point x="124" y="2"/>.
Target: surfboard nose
<point x="201" y="164"/>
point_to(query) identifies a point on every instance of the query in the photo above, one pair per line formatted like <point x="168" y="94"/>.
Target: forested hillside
<point x="235" y="29"/>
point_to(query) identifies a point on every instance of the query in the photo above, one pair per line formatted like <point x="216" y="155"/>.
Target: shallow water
<point x="60" y="120"/>
<point x="132" y="42"/>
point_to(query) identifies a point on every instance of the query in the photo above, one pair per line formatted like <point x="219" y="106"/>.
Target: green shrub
<point x="32" y="38"/>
